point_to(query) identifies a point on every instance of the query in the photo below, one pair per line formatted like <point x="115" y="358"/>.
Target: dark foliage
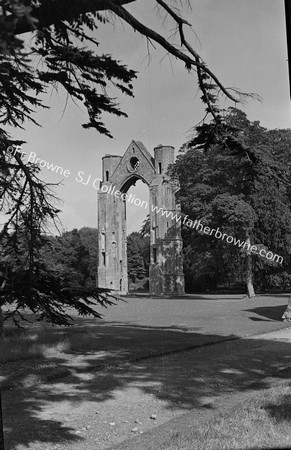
<point x="241" y="184"/>
<point x="138" y="256"/>
<point x="65" y="60"/>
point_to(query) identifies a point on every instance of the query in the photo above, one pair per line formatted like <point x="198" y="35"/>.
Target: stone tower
<point x="119" y="174"/>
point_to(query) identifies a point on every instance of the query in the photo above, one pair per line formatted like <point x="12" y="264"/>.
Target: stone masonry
<point x="119" y="174"/>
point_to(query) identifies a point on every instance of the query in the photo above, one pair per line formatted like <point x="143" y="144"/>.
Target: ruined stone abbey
<point x="119" y="173"/>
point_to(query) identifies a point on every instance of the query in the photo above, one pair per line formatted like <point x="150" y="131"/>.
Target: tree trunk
<point x="1" y="324"/>
<point x="249" y="272"/>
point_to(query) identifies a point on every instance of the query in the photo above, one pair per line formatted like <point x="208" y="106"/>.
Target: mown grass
<point x="263" y="421"/>
<point x="20" y="345"/>
<point x="45" y="341"/>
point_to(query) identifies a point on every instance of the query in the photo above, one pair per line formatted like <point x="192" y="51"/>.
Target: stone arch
<point x="119" y="173"/>
<point x="130" y="181"/>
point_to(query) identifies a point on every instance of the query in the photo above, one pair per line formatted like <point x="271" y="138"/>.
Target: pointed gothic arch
<point x="119" y="173"/>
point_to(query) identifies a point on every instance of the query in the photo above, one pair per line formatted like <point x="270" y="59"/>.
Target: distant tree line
<point x="73" y="255"/>
<point x="64" y="277"/>
<point x="138" y="253"/>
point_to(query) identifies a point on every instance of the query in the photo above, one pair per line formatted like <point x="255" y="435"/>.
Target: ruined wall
<point x="166" y="268"/>
<point x="119" y="173"/>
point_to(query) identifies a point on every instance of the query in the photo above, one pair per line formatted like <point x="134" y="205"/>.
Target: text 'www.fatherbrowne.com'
<point x="198" y="226"/>
<point x="131" y="198"/>
<point x="195" y="225"/>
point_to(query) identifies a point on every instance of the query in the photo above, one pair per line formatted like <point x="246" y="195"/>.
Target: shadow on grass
<point x="97" y="359"/>
<point x="270" y="312"/>
<point x="280" y="411"/>
<point x="23" y="425"/>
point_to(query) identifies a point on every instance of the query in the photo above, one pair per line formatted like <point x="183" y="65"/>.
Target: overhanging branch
<point x="152" y="35"/>
<point x="51" y="10"/>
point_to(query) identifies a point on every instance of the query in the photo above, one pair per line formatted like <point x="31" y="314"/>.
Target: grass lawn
<point x="143" y="326"/>
<point x="260" y="422"/>
<point x="33" y="344"/>
<point x="90" y="385"/>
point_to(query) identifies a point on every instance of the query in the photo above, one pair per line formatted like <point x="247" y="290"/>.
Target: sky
<point x="242" y="41"/>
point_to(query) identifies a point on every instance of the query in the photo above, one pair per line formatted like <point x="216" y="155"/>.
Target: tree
<point x="38" y="279"/>
<point x="89" y="238"/>
<point x="137" y="256"/>
<point x="241" y="174"/>
<point x="74" y="255"/>
<point x="146" y="227"/>
<point x="27" y="281"/>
